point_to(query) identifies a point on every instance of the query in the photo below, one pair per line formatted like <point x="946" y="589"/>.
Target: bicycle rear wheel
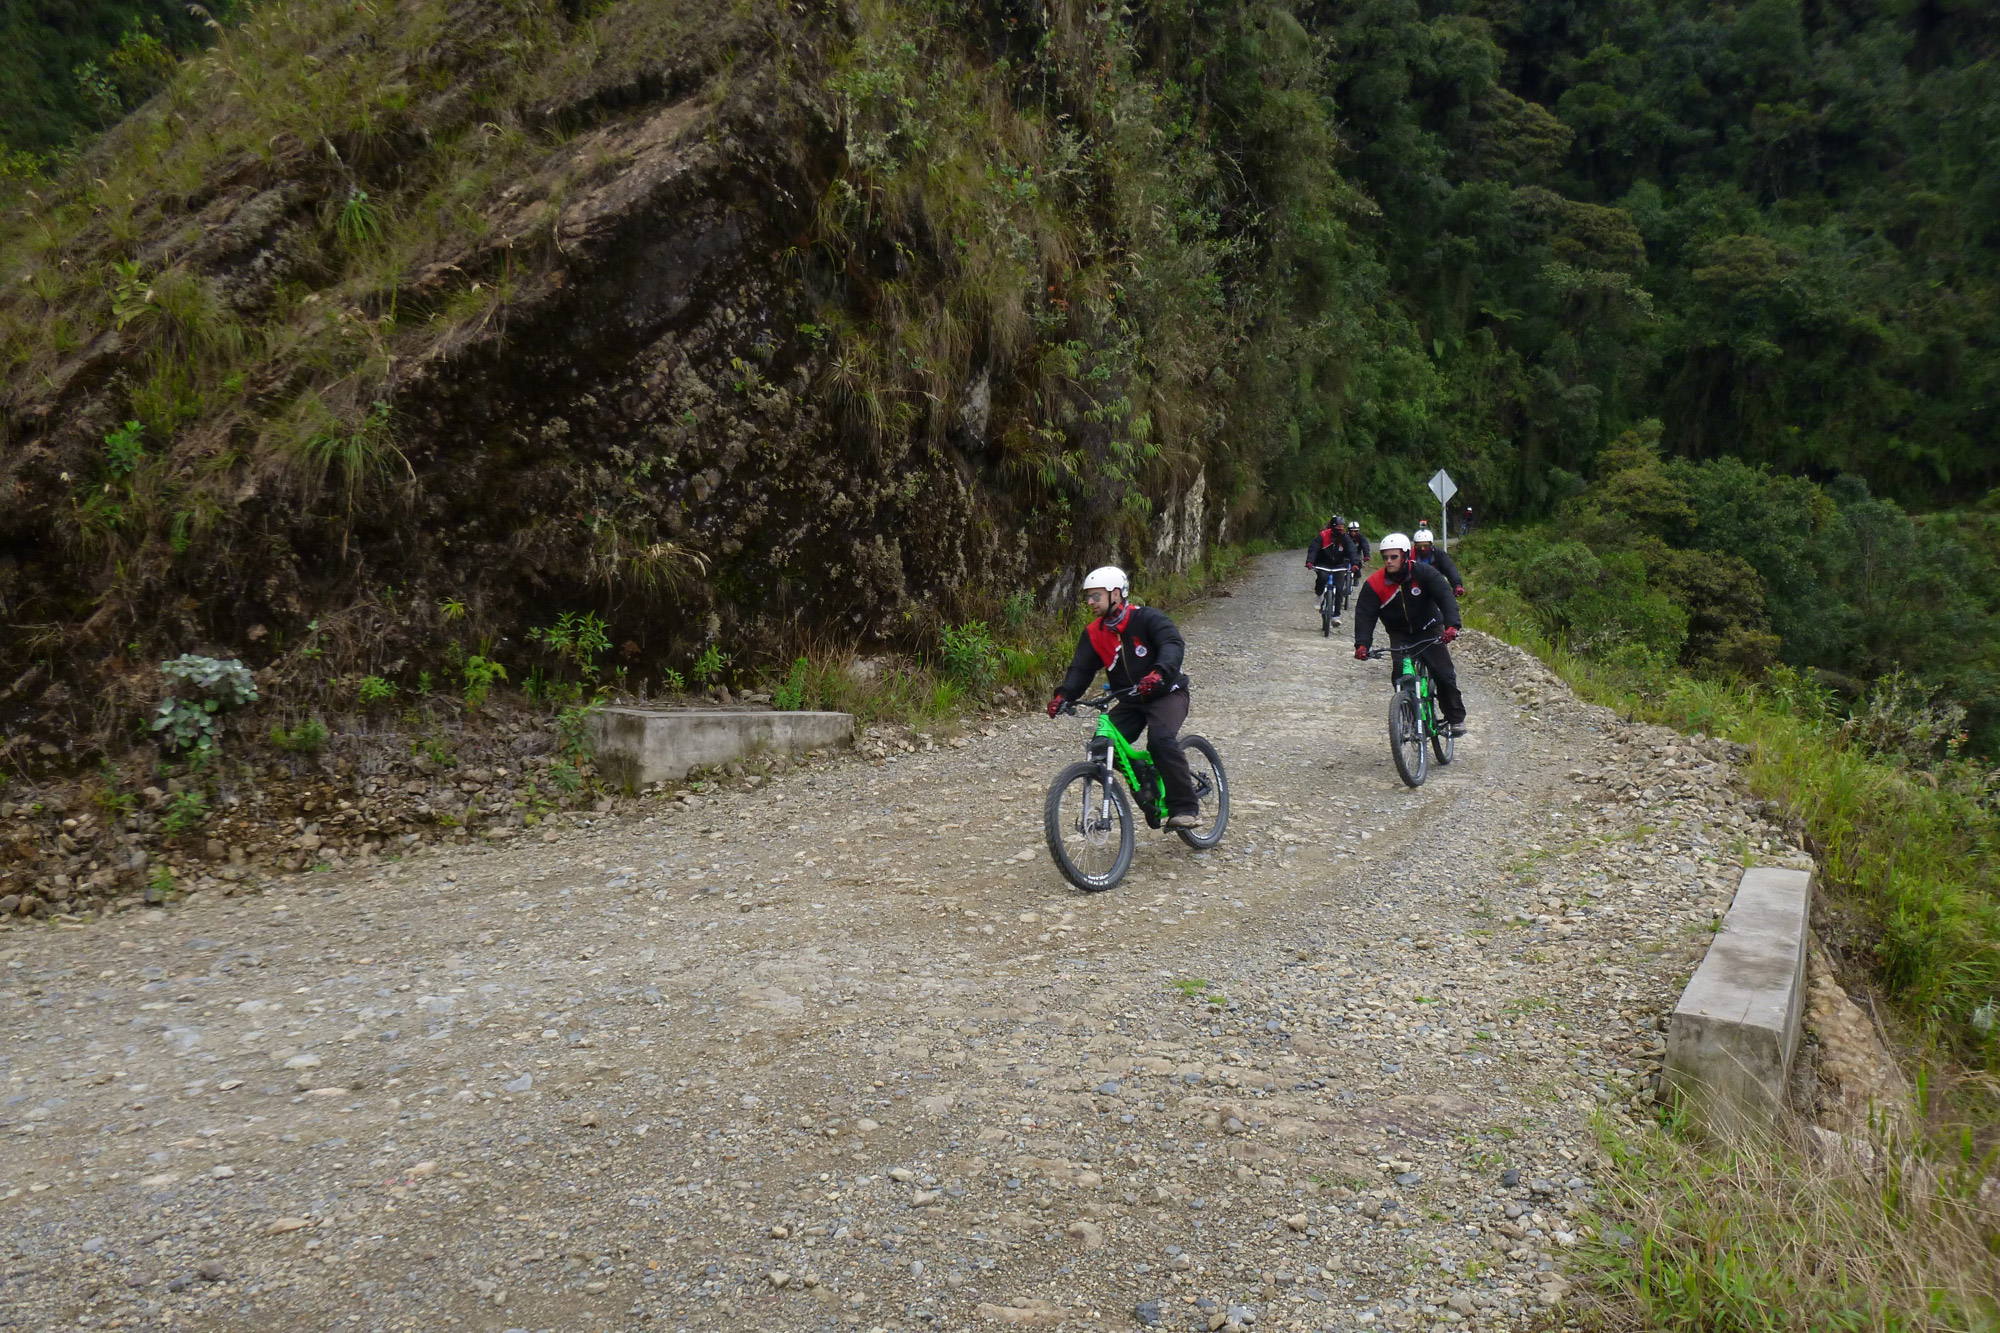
<point x="1443" y="744"/>
<point x="1211" y="793"/>
<point x="1406" y="736"/>
<point x="1089" y="826"/>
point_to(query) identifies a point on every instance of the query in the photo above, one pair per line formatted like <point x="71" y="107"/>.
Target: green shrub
<point x="373" y="690"/>
<point x="184" y="810"/>
<point x="971" y="659"/>
<point x="481" y="673"/>
<point x="125" y="449"/>
<point x="308" y="737"/>
<point x="791" y="693"/>
<point x="216" y="687"/>
<point x="708" y="668"/>
<point x="577" y="639"/>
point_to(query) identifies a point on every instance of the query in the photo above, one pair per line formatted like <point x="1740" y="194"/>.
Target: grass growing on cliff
<point x="1024" y="647"/>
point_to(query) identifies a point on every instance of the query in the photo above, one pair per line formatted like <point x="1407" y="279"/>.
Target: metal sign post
<point x="1443" y="487"/>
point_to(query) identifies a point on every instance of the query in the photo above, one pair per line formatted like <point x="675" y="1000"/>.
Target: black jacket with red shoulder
<point x="1140" y="641"/>
<point x="1331" y="548"/>
<point x="1414" y="607"/>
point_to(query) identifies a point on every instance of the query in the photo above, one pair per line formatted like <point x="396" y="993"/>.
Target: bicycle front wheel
<point x="1211" y="793"/>
<point x="1088" y="821"/>
<point x="1406" y="736"/>
<point x="1326" y="614"/>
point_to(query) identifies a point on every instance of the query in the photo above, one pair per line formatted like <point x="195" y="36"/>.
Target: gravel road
<point x="843" y="1050"/>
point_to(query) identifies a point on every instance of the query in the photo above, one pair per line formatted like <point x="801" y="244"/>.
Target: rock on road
<point x="844" y="1051"/>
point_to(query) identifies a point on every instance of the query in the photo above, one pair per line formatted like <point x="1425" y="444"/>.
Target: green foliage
<point x="480" y="673"/>
<point x="1723" y="567"/>
<point x="577" y="639"/>
<point x="125" y="449"/>
<point x="357" y="222"/>
<point x="205" y="688"/>
<point x="790" y="695"/>
<point x="373" y="690"/>
<point x="708" y="667"/>
<point x="969" y="655"/>
<point x="308" y="737"/>
<point x="185" y="810"/>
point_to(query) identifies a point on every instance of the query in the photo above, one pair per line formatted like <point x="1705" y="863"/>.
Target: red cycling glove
<point x="1151" y="684"/>
<point x="1458" y="592"/>
<point x="1361" y="652"/>
<point x="1055" y="705"/>
<point x="1450" y="633"/>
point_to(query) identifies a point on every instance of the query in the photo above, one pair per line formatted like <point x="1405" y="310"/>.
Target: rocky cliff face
<point x="655" y="314"/>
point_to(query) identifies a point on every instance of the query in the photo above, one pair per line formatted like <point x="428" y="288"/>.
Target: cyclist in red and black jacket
<point x="1330" y="547"/>
<point x="1413" y="601"/>
<point x="1140" y="649"/>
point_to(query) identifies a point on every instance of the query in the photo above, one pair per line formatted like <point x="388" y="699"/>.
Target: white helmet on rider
<point x="1423" y="537"/>
<point x="1109" y="577"/>
<point x="1395" y="541"/>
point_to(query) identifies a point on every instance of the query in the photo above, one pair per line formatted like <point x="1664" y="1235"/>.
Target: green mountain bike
<point x="1415" y="722"/>
<point x="1088" y="815"/>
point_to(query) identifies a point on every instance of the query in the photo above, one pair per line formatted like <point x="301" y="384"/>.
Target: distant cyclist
<point x="1138" y="649"/>
<point x="1427" y="552"/>
<point x="1330" y="547"/>
<point x="1358" y="542"/>
<point x="1413" y="602"/>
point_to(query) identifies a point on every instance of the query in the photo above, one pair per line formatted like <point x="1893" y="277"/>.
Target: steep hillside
<point x="726" y="328"/>
<point x="386" y="334"/>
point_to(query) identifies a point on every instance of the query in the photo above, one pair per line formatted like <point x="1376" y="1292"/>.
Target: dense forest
<point x="1706" y="291"/>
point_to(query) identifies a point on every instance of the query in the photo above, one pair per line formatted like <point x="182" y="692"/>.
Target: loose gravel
<point x="843" y="1051"/>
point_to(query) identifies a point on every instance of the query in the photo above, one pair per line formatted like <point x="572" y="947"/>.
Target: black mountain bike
<point x="1332" y="598"/>
<point x="1417" y="728"/>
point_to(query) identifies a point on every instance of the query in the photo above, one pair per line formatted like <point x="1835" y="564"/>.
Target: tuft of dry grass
<point x="1764" y="1235"/>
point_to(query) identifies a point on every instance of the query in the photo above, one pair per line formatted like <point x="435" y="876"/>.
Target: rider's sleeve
<point x="1449" y="569"/>
<point x="1367" y="606"/>
<point x="1312" y="551"/>
<point x="1169" y="647"/>
<point x="1083" y="668"/>
<point x="1438" y="586"/>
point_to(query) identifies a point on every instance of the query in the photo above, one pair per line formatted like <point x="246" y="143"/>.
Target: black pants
<point x="1445" y="676"/>
<point x="1161" y="718"/>
<point x="1320" y="578"/>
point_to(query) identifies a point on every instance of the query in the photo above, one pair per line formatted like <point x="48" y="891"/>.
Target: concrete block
<point x="636" y="746"/>
<point x="1734" y="1033"/>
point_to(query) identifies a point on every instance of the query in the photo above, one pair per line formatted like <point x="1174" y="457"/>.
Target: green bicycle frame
<point x="1107" y="743"/>
<point x="1406" y="669"/>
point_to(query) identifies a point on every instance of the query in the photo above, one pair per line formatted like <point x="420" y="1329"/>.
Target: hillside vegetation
<point x="383" y="336"/>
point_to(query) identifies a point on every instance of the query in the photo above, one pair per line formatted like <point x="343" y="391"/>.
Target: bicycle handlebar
<point x="1100" y="702"/>
<point x="1416" y="646"/>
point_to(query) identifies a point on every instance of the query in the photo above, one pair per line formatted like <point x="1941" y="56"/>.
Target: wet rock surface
<point x="842" y="1050"/>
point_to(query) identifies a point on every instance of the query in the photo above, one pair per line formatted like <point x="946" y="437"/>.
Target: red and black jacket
<point x="1331" y="548"/>
<point x="1140" y="641"/>
<point x="1415" y="607"/>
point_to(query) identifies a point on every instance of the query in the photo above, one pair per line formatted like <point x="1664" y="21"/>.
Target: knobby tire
<point x="1077" y="795"/>
<point x="1211" y="789"/>
<point x="1406" y="736"/>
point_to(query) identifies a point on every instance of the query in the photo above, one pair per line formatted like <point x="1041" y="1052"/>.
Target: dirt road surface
<point x="843" y="1050"/>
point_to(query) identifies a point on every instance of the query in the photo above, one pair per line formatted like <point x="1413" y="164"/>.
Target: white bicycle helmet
<point x="1109" y="577"/>
<point x="1395" y="541"/>
<point x="1423" y="535"/>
